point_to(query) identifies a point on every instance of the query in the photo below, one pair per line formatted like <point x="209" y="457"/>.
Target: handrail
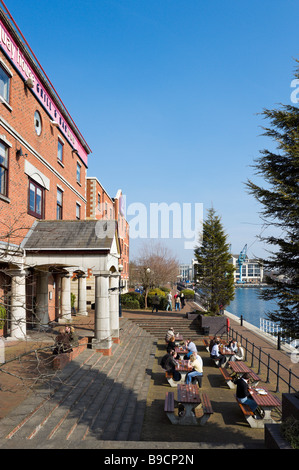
<point x="259" y="355"/>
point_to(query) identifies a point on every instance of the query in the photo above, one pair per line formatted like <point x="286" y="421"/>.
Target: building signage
<point x="18" y="60"/>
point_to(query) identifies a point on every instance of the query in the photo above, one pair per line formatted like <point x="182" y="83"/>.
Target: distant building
<point x="252" y="270"/>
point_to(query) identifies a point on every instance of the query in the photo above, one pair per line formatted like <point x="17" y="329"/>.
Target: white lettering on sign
<point x="21" y="64"/>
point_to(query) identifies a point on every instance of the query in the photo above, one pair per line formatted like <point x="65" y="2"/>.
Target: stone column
<point x="102" y="341"/>
<point x="82" y="295"/>
<point x="42" y="299"/>
<point x="114" y="307"/>
<point x="18" y="304"/>
<point x="66" y="310"/>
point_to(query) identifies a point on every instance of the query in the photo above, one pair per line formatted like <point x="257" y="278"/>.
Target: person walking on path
<point x="177" y="303"/>
<point x="182" y="298"/>
<point x="169" y="302"/>
<point x="156" y="302"/>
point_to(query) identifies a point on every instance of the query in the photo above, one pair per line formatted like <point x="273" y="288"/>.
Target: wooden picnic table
<point x="183" y="368"/>
<point x="266" y="401"/>
<point x="181" y="351"/>
<point x="189" y="398"/>
<point x="240" y="368"/>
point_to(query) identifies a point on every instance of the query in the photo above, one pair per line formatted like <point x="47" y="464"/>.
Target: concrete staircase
<point x="94" y="397"/>
<point x="189" y="328"/>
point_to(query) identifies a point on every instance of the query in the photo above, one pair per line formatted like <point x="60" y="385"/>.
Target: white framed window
<point x="60" y="151"/>
<point x="78" y="175"/>
<point x="59" y="204"/>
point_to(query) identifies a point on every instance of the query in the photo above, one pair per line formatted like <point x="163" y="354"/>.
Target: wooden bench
<point x="249" y="416"/>
<point x="203" y="411"/>
<point x="61" y="360"/>
<point x="169" y="407"/>
<point x="227" y="377"/>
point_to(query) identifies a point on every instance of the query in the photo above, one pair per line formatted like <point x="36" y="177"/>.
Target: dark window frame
<point x="5" y="169"/>
<point x="34" y="212"/>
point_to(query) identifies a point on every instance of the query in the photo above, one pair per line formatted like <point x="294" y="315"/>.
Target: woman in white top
<point x="239" y="354"/>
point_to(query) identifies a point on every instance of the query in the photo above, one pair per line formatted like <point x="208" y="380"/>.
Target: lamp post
<point x="120" y="287"/>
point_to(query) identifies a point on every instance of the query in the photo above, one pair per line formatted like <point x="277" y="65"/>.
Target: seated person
<point x="168" y="363"/>
<point x="239" y="353"/>
<point x="73" y="337"/>
<point x="232" y="345"/>
<point x="62" y="343"/>
<point x="190" y="346"/>
<point x="171" y="345"/>
<point x="215" y="354"/>
<point x="169" y="334"/>
<point x="195" y="362"/>
<point x="243" y="393"/>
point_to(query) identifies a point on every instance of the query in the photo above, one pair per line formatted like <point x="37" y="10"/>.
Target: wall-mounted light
<point x="76" y="152"/>
<point x="19" y="153"/>
<point x="29" y="82"/>
<point x="54" y="123"/>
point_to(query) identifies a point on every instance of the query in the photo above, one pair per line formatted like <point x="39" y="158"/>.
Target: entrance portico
<point x="66" y="248"/>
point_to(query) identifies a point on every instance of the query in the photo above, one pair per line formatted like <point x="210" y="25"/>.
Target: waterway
<point x="248" y="304"/>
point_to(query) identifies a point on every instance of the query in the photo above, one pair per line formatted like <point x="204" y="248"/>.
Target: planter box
<point x="273" y="438"/>
<point x="61" y="360"/>
<point x="216" y="324"/>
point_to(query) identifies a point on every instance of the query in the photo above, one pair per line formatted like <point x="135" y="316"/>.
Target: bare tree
<point x="156" y="266"/>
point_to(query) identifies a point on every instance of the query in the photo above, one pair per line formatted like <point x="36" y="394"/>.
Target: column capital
<point x="102" y="273"/>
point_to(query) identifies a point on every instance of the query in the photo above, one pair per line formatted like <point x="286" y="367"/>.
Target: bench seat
<point x="227" y="377"/>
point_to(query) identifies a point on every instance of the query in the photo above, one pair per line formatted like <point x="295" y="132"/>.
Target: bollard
<point x="241" y="318"/>
<point x="278" y="341"/>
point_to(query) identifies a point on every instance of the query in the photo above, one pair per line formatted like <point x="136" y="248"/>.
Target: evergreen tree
<point x="214" y="269"/>
<point x="280" y="208"/>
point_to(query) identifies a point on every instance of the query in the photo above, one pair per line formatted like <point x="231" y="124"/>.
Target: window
<point x="37" y="123"/>
<point x="78" y="172"/>
<point x="36" y="200"/>
<point x="99" y="202"/>
<point x="59" y="204"/>
<point x="60" y="151"/>
<point x="78" y="211"/>
<point x="4" y="84"/>
<point x="3" y="170"/>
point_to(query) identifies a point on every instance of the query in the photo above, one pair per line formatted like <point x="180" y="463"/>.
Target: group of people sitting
<point x="170" y="360"/>
<point x="65" y="340"/>
<point x="234" y="346"/>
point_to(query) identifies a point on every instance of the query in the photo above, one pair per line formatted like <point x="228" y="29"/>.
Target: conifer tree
<point x="280" y="208"/>
<point x="214" y="269"/>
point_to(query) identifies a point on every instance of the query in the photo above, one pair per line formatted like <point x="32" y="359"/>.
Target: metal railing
<point x="260" y="358"/>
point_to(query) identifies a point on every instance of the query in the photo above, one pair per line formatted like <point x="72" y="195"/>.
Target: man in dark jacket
<point x="168" y="363"/>
<point x="243" y="393"/>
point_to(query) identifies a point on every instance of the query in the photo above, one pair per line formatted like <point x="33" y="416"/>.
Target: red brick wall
<point x="21" y="119"/>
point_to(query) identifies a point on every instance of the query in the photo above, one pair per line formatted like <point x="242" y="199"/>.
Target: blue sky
<point x="167" y="93"/>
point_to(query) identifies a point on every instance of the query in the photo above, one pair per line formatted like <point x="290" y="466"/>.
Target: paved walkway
<point x="117" y="402"/>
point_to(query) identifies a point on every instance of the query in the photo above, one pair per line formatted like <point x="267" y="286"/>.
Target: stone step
<point x="95" y="396"/>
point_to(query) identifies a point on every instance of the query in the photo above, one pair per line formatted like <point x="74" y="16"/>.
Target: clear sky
<point x="167" y="94"/>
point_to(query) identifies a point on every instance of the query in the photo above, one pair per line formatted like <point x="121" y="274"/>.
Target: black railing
<point x="255" y="353"/>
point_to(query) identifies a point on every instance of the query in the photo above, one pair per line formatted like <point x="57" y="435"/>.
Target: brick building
<point x="43" y="169"/>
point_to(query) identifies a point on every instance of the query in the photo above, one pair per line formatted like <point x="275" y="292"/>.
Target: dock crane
<point x="241" y="259"/>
